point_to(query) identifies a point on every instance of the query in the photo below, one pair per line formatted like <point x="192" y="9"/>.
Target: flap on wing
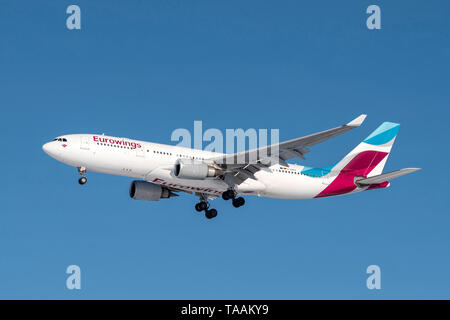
<point x="386" y="176"/>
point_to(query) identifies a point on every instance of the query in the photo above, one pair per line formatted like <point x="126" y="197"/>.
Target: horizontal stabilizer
<point x="385" y="176"/>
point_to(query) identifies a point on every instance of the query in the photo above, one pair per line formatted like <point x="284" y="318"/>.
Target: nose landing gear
<point x="83" y="179"/>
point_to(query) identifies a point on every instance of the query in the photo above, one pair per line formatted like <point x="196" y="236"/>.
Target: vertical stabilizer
<point x="370" y="156"/>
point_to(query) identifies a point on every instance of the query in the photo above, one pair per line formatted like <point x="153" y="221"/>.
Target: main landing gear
<point x="230" y="194"/>
<point x="203" y="205"/>
<point x="83" y="179"/>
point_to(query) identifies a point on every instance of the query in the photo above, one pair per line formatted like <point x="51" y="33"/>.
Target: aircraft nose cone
<point x="50" y="149"/>
<point x="46" y="147"/>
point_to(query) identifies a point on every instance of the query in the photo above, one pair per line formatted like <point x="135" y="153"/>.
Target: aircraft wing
<point x="244" y="164"/>
<point x="385" y="176"/>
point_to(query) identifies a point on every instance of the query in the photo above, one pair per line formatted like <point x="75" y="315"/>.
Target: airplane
<point x="164" y="170"/>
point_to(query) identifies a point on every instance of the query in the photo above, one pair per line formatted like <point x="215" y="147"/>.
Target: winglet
<point x="357" y="121"/>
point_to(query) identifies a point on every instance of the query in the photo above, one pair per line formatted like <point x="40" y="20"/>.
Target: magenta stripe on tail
<point x="361" y="165"/>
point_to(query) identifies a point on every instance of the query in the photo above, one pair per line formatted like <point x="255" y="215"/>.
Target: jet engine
<point x="194" y="170"/>
<point x="142" y="190"/>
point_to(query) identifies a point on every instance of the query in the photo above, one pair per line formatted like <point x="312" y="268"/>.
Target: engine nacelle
<point x="142" y="190"/>
<point x="194" y="170"/>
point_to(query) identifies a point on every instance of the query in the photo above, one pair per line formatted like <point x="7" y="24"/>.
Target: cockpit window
<point x="60" y="139"/>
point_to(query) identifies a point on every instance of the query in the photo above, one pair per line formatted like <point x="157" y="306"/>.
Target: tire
<point x="82" y="180"/>
<point x="227" y="195"/>
<point x="209" y="214"/>
<point x="198" y="207"/>
<point x="202" y="205"/>
<point x="238" y="202"/>
<point x="213" y="213"/>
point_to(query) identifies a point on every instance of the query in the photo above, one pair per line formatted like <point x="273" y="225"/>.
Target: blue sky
<point x="141" y="69"/>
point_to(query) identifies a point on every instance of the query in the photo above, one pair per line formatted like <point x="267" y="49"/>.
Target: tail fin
<point x="370" y="156"/>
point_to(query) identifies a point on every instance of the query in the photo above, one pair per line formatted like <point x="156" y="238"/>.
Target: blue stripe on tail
<point x="383" y="134"/>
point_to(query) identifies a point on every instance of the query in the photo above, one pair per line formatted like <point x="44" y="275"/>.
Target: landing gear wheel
<point x="227" y="195"/>
<point x="212" y="213"/>
<point x="238" y="202"/>
<point x="201" y="206"/>
<point x="82" y="172"/>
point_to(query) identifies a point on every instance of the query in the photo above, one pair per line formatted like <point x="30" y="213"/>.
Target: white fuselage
<point x="155" y="162"/>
